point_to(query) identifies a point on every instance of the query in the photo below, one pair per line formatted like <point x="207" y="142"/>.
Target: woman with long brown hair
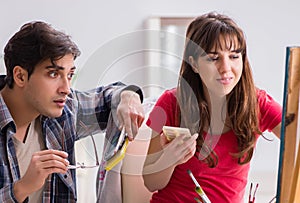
<point x="217" y="100"/>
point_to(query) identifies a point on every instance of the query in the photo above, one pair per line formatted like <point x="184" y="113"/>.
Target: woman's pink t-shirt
<point x="227" y="181"/>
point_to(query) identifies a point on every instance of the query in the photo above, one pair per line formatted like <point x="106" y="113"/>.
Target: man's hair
<point x="34" y="43"/>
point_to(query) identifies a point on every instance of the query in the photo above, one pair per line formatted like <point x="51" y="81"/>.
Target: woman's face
<point x="220" y="69"/>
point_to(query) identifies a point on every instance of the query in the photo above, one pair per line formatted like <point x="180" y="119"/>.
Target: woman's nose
<point x="224" y="65"/>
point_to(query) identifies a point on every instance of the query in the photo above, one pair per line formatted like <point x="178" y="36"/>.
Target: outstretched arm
<point x="94" y="107"/>
<point x="130" y="112"/>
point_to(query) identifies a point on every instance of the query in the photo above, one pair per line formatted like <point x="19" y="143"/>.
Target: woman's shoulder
<point x="169" y="94"/>
<point x="269" y="109"/>
<point x="263" y="97"/>
<point x="267" y="104"/>
<point x="260" y="92"/>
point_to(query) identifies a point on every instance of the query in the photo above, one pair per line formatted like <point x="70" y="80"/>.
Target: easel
<point x="288" y="187"/>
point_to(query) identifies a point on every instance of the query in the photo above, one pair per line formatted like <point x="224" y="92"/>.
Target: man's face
<point x="48" y="86"/>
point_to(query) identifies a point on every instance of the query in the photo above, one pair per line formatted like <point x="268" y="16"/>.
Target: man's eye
<point x="71" y="75"/>
<point x="53" y="74"/>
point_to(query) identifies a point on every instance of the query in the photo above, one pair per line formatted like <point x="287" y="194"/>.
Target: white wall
<point x="96" y="25"/>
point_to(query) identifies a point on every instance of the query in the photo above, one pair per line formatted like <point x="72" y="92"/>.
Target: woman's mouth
<point x="225" y="81"/>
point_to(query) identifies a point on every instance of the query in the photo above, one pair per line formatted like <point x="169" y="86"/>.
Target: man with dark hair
<point x="42" y="117"/>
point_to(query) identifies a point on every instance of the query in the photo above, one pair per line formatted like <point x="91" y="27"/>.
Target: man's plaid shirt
<point x="83" y="110"/>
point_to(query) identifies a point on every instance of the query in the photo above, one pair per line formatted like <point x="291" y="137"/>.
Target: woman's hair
<point x="33" y="43"/>
<point x="204" y="34"/>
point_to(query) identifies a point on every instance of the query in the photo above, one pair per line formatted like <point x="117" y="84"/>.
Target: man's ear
<point x="20" y="76"/>
<point x="194" y="64"/>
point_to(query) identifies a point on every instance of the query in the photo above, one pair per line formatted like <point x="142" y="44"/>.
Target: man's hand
<point x="130" y="112"/>
<point x="42" y="164"/>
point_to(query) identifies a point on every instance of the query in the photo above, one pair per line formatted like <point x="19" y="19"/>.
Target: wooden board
<point x="288" y="172"/>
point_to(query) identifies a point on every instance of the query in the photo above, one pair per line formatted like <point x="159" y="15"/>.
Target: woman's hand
<point x="163" y="156"/>
<point x="179" y="150"/>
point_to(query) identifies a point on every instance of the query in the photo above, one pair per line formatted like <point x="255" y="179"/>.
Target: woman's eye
<point x="235" y="56"/>
<point x="212" y="58"/>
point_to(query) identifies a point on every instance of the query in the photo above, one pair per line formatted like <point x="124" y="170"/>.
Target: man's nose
<point x="65" y="86"/>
